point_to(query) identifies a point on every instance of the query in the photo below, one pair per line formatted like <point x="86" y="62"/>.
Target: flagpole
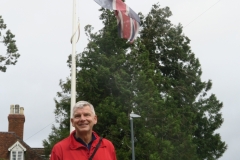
<point x="73" y="69"/>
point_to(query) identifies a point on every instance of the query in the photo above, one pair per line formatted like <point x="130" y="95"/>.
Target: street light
<point x="133" y="115"/>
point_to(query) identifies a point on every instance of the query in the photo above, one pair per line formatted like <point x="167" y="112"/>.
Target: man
<point x="83" y="141"/>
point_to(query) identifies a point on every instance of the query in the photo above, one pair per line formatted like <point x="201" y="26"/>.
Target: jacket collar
<point x="74" y="144"/>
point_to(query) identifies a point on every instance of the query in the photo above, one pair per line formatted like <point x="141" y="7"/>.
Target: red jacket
<point x="70" y="149"/>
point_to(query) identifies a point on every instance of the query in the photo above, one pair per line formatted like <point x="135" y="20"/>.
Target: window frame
<point x="16" y="157"/>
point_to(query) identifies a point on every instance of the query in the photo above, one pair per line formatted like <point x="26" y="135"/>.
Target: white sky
<point x="43" y="30"/>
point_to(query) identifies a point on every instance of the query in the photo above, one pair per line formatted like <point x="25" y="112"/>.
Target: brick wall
<point x="16" y="124"/>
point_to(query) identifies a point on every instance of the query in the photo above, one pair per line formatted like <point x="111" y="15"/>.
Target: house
<point x="12" y="146"/>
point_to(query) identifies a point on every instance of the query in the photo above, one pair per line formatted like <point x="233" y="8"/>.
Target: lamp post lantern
<point x="133" y="115"/>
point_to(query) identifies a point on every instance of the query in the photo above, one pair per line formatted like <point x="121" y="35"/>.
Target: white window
<point x="17" y="151"/>
<point x="20" y="155"/>
<point x="13" y="157"/>
<point x="17" y="155"/>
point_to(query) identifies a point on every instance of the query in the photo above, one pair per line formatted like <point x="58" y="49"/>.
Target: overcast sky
<point x="43" y="29"/>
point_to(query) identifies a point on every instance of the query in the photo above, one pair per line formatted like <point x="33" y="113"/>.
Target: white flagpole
<point x="73" y="74"/>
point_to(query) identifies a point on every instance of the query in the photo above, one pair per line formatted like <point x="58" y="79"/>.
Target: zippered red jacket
<point x="70" y="149"/>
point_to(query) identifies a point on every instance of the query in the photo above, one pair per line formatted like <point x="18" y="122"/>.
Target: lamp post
<point x="133" y="115"/>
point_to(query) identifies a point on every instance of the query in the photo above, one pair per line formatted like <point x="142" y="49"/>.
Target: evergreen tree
<point x="184" y="91"/>
<point x="157" y="77"/>
<point x="11" y="55"/>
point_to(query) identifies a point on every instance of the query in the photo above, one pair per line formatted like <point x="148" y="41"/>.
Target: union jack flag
<point x="127" y="27"/>
<point x="128" y="20"/>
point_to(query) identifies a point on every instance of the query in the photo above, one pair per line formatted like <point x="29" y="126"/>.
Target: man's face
<point x="83" y="120"/>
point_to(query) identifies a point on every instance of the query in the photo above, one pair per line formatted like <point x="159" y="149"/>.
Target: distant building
<point x="12" y="146"/>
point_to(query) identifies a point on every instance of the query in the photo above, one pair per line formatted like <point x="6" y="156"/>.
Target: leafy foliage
<point x="11" y="55"/>
<point x="157" y="77"/>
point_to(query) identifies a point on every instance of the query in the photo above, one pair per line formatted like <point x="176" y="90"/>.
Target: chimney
<point x="16" y="120"/>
